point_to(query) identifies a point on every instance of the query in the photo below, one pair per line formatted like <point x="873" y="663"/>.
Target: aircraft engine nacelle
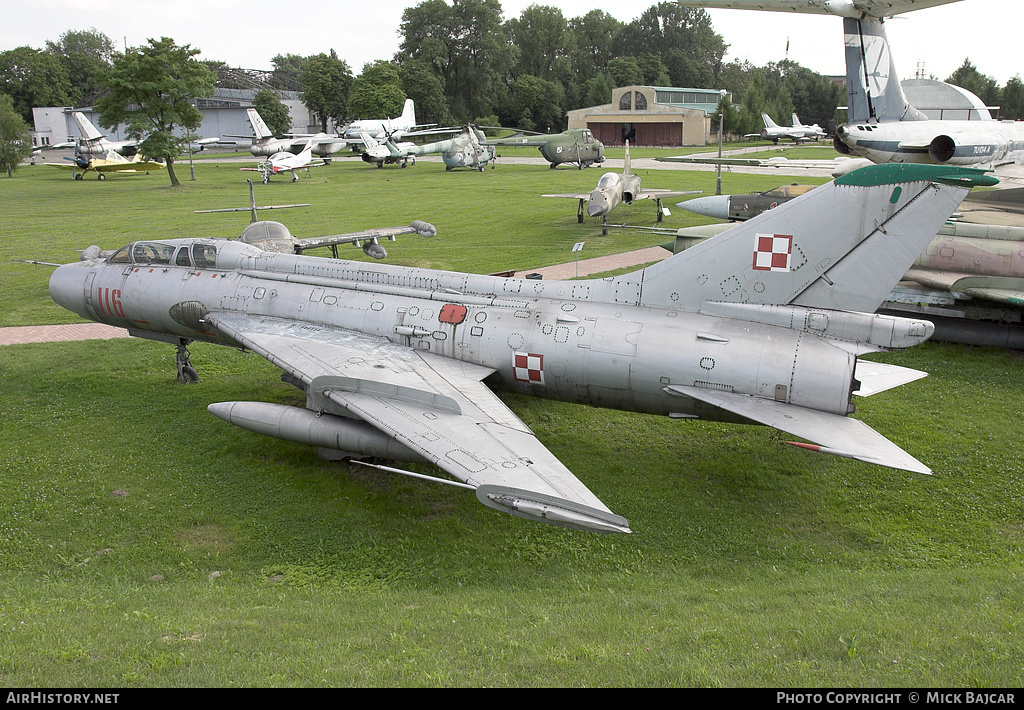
<point x="630" y="189"/>
<point x="951" y="150"/>
<point x="840" y="146"/>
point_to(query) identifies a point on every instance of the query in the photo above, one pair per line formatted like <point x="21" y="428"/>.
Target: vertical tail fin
<point x="841" y="246"/>
<point x="873" y="90"/>
<point x="768" y="122"/>
<point x="85" y="127"/>
<point x="409" y="113"/>
<point x="259" y="126"/>
<point x="796" y="122"/>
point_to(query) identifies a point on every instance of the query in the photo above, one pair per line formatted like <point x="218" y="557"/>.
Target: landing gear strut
<point x="186" y="373"/>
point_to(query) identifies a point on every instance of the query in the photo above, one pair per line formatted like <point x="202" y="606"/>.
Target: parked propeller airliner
<point x="763" y="324"/>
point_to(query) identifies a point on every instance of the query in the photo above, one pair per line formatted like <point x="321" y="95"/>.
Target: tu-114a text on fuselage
<point x="765" y="323"/>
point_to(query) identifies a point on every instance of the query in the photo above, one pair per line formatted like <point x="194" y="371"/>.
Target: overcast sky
<point x="247" y="33"/>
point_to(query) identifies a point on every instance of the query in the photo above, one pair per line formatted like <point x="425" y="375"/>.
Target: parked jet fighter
<point x="287" y="162"/>
<point x="614" y="189"/>
<point x="774" y="132"/>
<point x="763" y="324"/>
<point x="93" y="142"/>
<point x="264" y="143"/>
<point x="813" y="131"/>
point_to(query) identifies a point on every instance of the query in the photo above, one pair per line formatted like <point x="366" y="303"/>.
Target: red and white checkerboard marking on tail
<point x="528" y="367"/>
<point x="772" y="252"/>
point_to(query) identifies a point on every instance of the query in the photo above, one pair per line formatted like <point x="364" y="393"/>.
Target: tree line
<point x="461" y="62"/>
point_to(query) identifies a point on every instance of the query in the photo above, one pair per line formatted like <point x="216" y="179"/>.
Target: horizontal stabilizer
<point x="875" y="377"/>
<point x="834" y="434"/>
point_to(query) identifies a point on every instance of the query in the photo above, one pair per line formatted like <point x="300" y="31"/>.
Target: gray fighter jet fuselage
<point x="758" y="325"/>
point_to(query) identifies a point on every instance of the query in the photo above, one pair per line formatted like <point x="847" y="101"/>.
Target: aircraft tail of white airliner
<point x="873" y="90"/>
<point x="842" y="246"/>
<point x="408" y="118"/>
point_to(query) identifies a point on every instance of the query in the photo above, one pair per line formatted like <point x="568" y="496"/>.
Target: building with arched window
<point x="652" y="116"/>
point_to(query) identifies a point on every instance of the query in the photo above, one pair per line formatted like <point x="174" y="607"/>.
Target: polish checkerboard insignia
<point x="528" y="367"/>
<point x="773" y="252"/>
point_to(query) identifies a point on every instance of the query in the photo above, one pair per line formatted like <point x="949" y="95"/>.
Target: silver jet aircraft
<point x="324" y="145"/>
<point x="614" y="189"/>
<point x="764" y="324"/>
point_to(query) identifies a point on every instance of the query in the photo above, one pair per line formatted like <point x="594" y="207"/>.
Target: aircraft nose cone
<point x="67" y="288"/>
<point x="597" y="205"/>
<point x="716" y="206"/>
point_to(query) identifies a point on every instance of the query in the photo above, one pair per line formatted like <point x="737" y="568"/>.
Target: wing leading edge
<point x="434" y="406"/>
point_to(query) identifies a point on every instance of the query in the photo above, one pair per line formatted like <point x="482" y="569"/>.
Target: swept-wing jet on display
<point x="775" y="133"/>
<point x="576" y="146"/>
<point x="764" y="324"/>
<point x="287" y="162"/>
<point x="264" y="143"/>
<point x="882" y="125"/>
<point x="814" y="130"/>
<point x="112" y="162"/>
<point x="93" y="142"/>
<point x="614" y="189"/>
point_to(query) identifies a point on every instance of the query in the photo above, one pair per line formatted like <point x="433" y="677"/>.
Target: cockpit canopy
<point x="198" y="254"/>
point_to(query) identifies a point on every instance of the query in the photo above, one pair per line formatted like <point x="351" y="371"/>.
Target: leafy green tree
<point x="15" y="137"/>
<point x="377" y="92"/>
<point x="287" y="72"/>
<point x="326" y="83"/>
<point x="654" y="71"/>
<point x="465" y="45"/>
<point x="540" y="34"/>
<point x="151" y="90"/>
<point x="32" y="77"/>
<point x="274" y="113"/>
<point x="426" y="89"/>
<point x="684" y="40"/>
<point x="733" y="119"/>
<point x="625" y="71"/>
<point x="534" y="104"/>
<point x="86" y="55"/>
<point x="596" y="90"/>
<point x="594" y="36"/>
<point x="1013" y="99"/>
<point x="968" y="77"/>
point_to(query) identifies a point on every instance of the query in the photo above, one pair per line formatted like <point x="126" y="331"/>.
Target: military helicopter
<point x="576" y="146"/>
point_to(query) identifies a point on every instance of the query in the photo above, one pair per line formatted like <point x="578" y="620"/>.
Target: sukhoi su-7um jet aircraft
<point x="763" y="324"/>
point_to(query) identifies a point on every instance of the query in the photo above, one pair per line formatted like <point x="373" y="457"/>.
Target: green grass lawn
<point x="146" y="543"/>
